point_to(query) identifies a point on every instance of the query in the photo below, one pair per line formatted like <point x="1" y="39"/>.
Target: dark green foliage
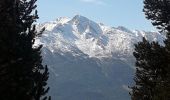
<point x="159" y="12"/>
<point x="152" y="60"/>
<point x="22" y="75"/>
<point x="149" y="69"/>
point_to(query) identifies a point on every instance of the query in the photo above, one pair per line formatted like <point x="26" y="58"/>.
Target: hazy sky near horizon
<point x="127" y="13"/>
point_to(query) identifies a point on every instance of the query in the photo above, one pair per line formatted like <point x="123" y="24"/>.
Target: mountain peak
<point x="80" y="53"/>
<point x="80" y="18"/>
<point x="91" y="38"/>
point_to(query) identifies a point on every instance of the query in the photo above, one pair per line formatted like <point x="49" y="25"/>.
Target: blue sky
<point x="114" y="13"/>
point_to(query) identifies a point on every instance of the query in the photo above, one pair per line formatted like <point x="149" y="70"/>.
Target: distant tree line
<point x="152" y="77"/>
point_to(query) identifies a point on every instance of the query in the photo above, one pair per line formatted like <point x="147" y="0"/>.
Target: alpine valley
<point x="89" y="60"/>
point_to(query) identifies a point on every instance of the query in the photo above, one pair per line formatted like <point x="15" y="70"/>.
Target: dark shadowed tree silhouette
<point x="22" y="75"/>
<point x="152" y="76"/>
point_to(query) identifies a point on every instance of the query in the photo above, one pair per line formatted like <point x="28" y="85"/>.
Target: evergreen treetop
<point x="22" y="75"/>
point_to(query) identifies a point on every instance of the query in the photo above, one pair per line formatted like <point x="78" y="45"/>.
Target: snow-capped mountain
<point x="89" y="60"/>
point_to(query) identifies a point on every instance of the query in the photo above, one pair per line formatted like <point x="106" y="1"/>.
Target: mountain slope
<point x="89" y="61"/>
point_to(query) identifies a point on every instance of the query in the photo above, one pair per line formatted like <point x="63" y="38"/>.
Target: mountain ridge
<point x="95" y="40"/>
<point x="89" y="60"/>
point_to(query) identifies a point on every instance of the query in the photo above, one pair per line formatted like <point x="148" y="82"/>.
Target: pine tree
<point x="148" y="69"/>
<point x="153" y="61"/>
<point x="159" y="12"/>
<point x="22" y="75"/>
